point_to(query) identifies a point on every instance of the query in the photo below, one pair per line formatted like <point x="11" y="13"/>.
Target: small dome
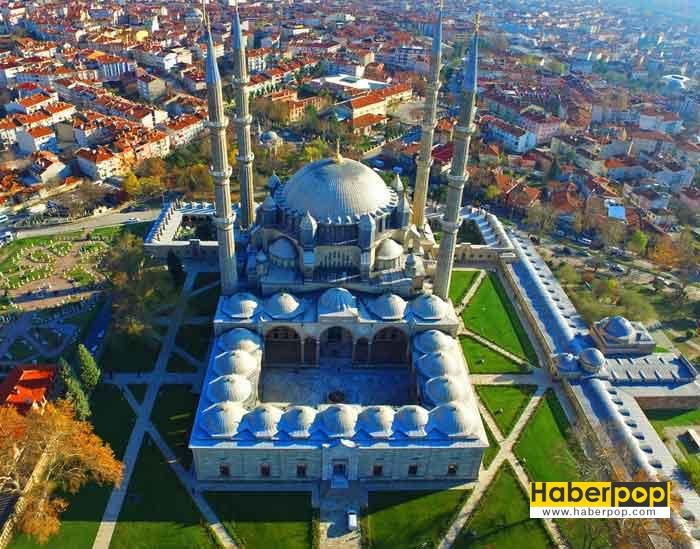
<point x="240" y="338"/>
<point x="388" y="307"/>
<point x="283" y="306"/>
<point x="270" y="136"/>
<point x="269" y="204"/>
<point x="453" y="420"/>
<point x="297" y="420"/>
<point x="591" y="359"/>
<point x="432" y="340"/>
<point x="241" y="305"/>
<point x="282" y="248"/>
<point x="222" y="418"/>
<point x="411" y="421"/>
<point x="230" y="387"/>
<point x="389" y="250"/>
<point x="262" y="421"/>
<point x="618" y="327"/>
<point x="336" y="300"/>
<point x="376" y="421"/>
<point x="237" y="362"/>
<point x="439" y="363"/>
<point x="443" y="389"/>
<point x="429" y="307"/>
<point x="338" y="420"/>
<point x="566" y="362"/>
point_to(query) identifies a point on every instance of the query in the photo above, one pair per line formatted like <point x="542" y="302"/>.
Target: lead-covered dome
<point x="432" y="340"/>
<point x="439" y="363"/>
<point x="222" y="418"/>
<point x="591" y="359"/>
<point x="296" y="421"/>
<point x="240" y="338"/>
<point x="283" y="306"/>
<point x="376" y="421"/>
<point x="230" y="387"/>
<point x="238" y="362"/>
<point x="429" y="307"/>
<point x="336" y="300"/>
<point x="330" y="189"/>
<point x="443" y="389"/>
<point x="411" y="420"/>
<point x="241" y="305"/>
<point x="262" y="421"/>
<point x="388" y="307"/>
<point x="338" y="420"/>
<point x="453" y="420"/>
<point x="618" y="327"/>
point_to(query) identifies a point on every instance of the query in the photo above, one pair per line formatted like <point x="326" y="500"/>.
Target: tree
<point x="688" y="258"/>
<point x="195" y="180"/>
<point x="568" y="275"/>
<point x="611" y="232"/>
<point x="71" y="455"/>
<point x="152" y="167"/>
<point x="175" y="269"/>
<point x="89" y="371"/>
<point x="131" y="184"/>
<point x="636" y="307"/>
<point x="492" y="192"/>
<point x="150" y="186"/>
<point x="540" y="218"/>
<point x="638" y="242"/>
<point x="72" y="391"/>
<point x="664" y="253"/>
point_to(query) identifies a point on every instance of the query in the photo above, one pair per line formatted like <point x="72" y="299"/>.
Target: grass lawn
<point x="265" y="520"/>
<point x="113" y="421"/>
<point x="178" y="364"/>
<point x="491" y="315"/>
<point x="173" y="415"/>
<point x="204" y="303"/>
<point x="142" y="353"/>
<point x="139" y="391"/>
<point x="492" y="450"/>
<point x="505" y="403"/>
<point x="205" y="278"/>
<point x="410" y="519"/>
<point x="661" y="419"/>
<point x="157" y="510"/>
<point x="460" y="284"/>
<point x="502" y="518"/>
<point x="194" y="338"/>
<point x="110" y="233"/>
<point x="482" y="360"/>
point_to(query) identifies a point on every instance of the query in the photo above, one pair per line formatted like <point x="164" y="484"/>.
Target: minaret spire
<point x="220" y="170"/>
<point x="425" y="159"/>
<point x="242" y="122"/>
<point x="458" y="173"/>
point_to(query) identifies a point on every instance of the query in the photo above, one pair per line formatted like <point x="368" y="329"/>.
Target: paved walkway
<point x="333" y="526"/>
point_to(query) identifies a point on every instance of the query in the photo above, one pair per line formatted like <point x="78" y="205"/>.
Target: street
<point x="90" y="223"/>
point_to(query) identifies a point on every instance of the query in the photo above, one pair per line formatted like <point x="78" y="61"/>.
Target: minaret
<point x="458" y="174"/>
<point x="242" y="121"/>
<point x="425" y="158"/>
<point x="220" y="170"/>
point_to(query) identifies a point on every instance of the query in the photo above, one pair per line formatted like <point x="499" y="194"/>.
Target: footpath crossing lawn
<point x="482" y="360"/>
<point x="113" y="420"/>
<point x="492" y="450"/>
<point x="460" y="284"/>
<point x="410" y="519"/>
<point x="491" y="315"/>
<point x="157" y="510"/>
<point x="265" y="520"/>
<point x="173" y="416"/>
<point x="502" y="518"/>
<point x="194" y="339"/>
<point x="505" y="403"/>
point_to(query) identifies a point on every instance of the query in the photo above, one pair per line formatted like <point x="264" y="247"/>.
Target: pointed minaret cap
<point x="337" y="157"/>
<point x="437" y="34"/>
<point x="471" y="69"/>
<point x="212" y="69"/>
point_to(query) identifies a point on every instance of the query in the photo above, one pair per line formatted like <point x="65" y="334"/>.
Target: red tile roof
<point x="27" y="385"/>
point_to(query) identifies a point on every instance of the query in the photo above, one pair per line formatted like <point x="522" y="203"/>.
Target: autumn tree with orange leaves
<point x="69" y="455"/>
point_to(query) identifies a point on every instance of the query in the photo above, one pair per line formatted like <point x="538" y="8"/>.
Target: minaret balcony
<point x="221" y="177"/>
<point x="217" y="125"/>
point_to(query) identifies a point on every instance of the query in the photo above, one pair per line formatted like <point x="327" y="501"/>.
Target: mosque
<point x="331" y="360"/>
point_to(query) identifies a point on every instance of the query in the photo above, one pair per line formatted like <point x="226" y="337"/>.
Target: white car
<point x="352" y="520"/>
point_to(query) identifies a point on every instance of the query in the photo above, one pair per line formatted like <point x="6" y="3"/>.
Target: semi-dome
<point x="262" y="421"/>
<point x="411" y="420"/>
<point x="237" y="362"/>
<point x="388" y="250"/>
<point x="439" y="363"/>
<point x="296" y="421"/>
<point x="429" y="307"/>
<point x="618" y="327"/>
<point x="453" y="420"/>
<point x="222" y="418"/>
<point x="283" y="306"/>
<point x="241" y="305"/>
<point x="330" y="189"/>
<point x="591" y="359"/>
<point x="336" y="300"/>
<point x="376" y="421"/>
<point x="431" y="341"/>
<point x="388" y="307"/>
<point x="229" y="387"/>
<point x="240" y="338"/>
<point x="338" y="420"/>
<point x="443" y="389"/>
<point x="282" y="248"/>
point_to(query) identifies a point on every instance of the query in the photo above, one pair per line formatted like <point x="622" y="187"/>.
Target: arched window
<point x="390" y="345"/>
<point x="282" y="346"/>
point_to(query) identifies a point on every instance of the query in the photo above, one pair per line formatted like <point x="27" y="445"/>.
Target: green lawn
<point x="173" y="416"/>
<point x="492" y="450"/>
<point x="205" y="278"/>
<point x="410" y="519"/>
<point x="194" y="338"/>
<point x="178" y="364"/>
<point x="111" y="233"/>
<point x="482" y="360"/>
<point x="661" y="419"/>
<point x="502" y="518"/>
<point x="204" y="303"/>
<point x="157" y="510"/>
<point x="505" y="403"/>
<point x="142" y="353"/>
<point x="113" y="420"/>
<point x="265" y="520"/>
<point x="139" y="391"/>
<point x="460" y="284"/>
<point x="491" y="315"/>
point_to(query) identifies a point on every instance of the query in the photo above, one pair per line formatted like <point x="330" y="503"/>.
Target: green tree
<point x="638" y="242"/>
<point x="89" y="371"/>
<point x="492" y="192"/>
<point x="568" y="275"/>
<point x="73" y="393"/>
<point x="131" y="184"/>
<point x="612" y="232"/>
<point x="152" y="167"/>
<point x="636" y="306"/>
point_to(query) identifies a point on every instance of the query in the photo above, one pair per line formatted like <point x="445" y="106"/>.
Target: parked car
<point x="352" y="520"/>
<point x="617" y="268"/>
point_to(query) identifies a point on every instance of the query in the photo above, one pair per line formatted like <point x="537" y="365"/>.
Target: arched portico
<point x="389" y="345"/>
<point x="282" y="346"/>
<point x="336" y="342"/>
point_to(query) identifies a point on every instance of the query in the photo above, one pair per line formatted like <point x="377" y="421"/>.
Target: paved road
<point x="91" y="223"/>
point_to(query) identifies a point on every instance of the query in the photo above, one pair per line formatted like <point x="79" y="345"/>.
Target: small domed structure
<point x="618" y="327"/>
<point x="338" y="420"/>
<point x="453" y="420"/>
<point x="237" y="362"/>
<point x="222" y="419"/>
<point x="336" y="300"/>
<point x="388" y="255"/>
<point x="240" y="338"/>
<point x="444" y="389"/>
<point x="262" y="421"/>
<point x="297" y="421"/>
<point x="229" y="387"/>
<point x="431" y="341"/>
<point x="376" y="421"/>
<point x="591" y="359"/>
<point x="439" y="363"/>
<point x="283" y="306"/>
<point x="411" y="420"/>
<point x="283" y="253"/>
<point x="241" y="306"/>
<point x="388" y="307"/>
<point x="429" y="307"/>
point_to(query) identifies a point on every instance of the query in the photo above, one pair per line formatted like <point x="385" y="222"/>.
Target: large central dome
<point x="330" y="189"/>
